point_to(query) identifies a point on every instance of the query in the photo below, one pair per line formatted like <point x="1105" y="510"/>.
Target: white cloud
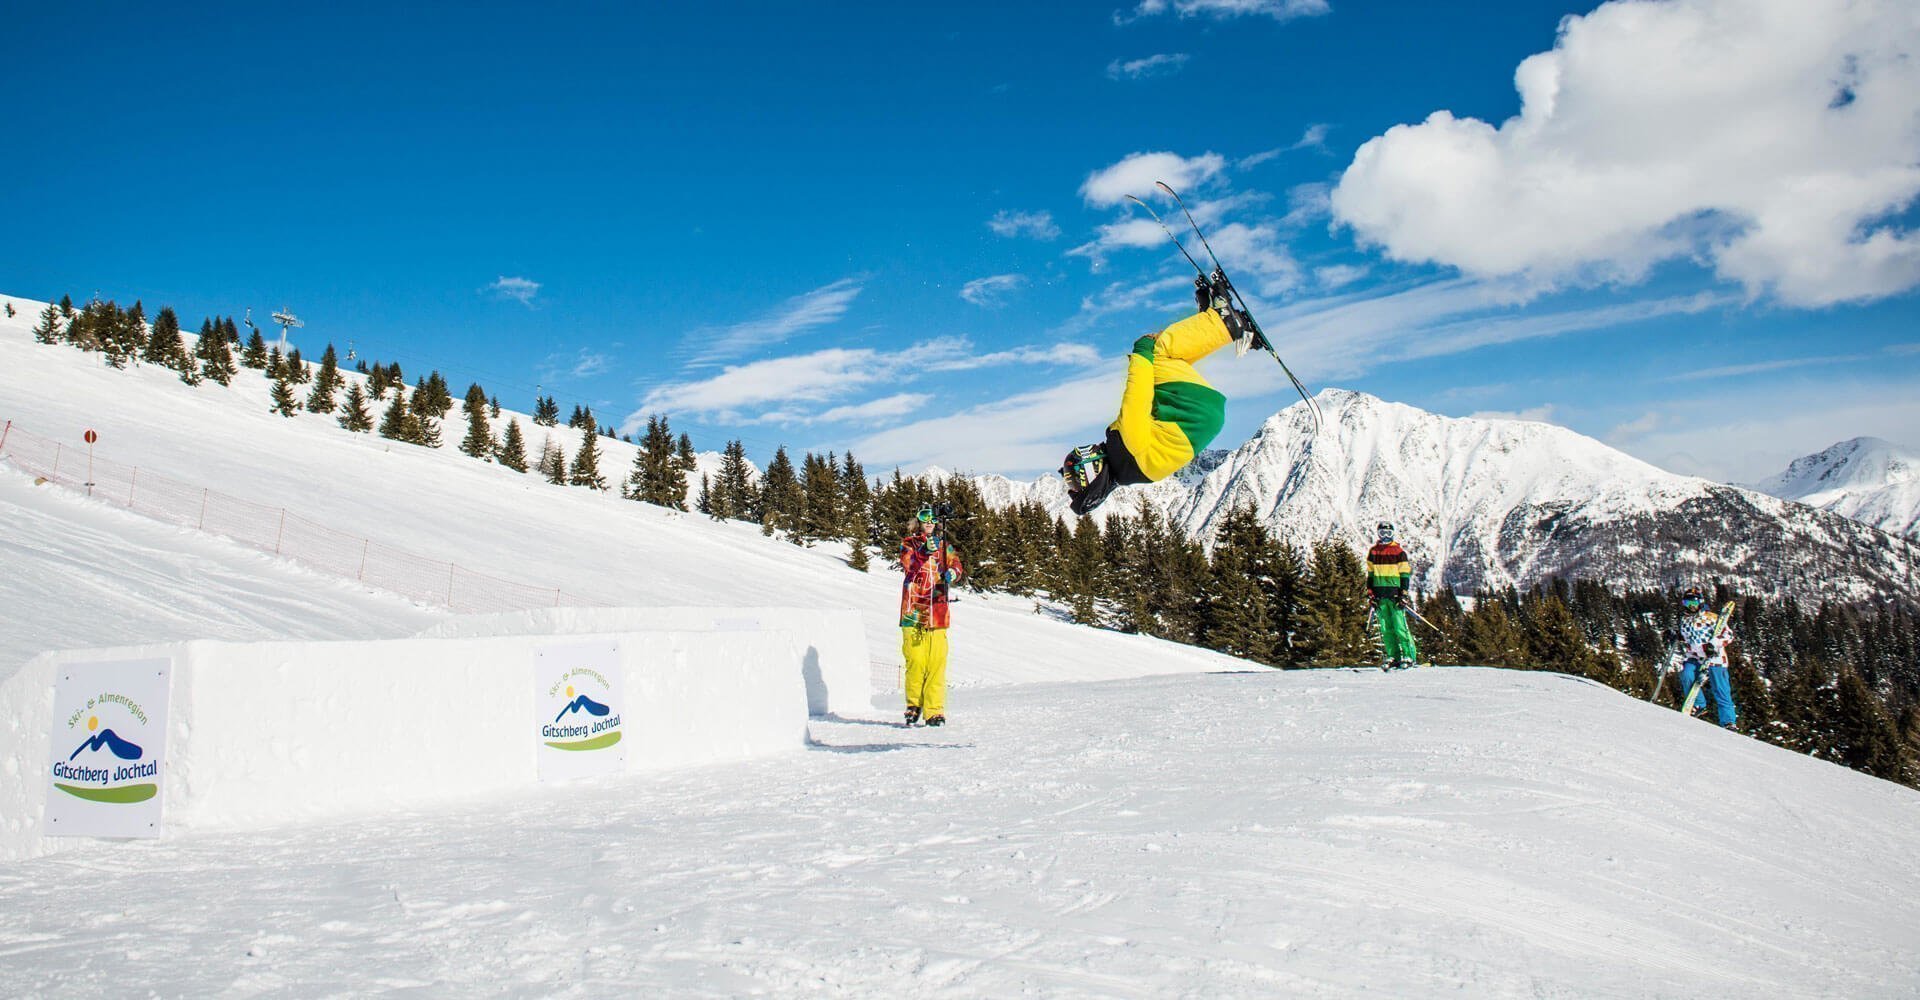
<point x="580" y="364"/>
<point x="1056" y="354"/>
<point x="1306" y="203"/>
<point x="791" y="389"/>
<point x="1314" y="137"/>
<point x="1135" y="175"/>
<point x="1038" y="225"/>
<point x="817" y="377"/>
<point x="521" y="290"/>
<point x="1030" y="430"/>
<point x="1279" y="10"/>
<point x="1741" y="437"/>
<point x="1774" y="139"/>
<point x="1536" y="414"/>
<point x="1759" y="367"/>
<point x="992" y="291"/>
<point x="816" y="308"/>
<point x="1335" y="276"/>
<point x="899" y="404"/>
<point x="1159" y="64"/>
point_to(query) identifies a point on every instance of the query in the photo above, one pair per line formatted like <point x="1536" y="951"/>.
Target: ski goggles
<point x="1693" y="603"/>
<point x="926" y="515"/>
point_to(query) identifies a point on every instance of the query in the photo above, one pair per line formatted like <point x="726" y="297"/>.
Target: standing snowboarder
<point x="1388" y="577"/>
<point x="1168" y="412"/>
<point x="931" y="568"/>
<point x="1703" y="644"/>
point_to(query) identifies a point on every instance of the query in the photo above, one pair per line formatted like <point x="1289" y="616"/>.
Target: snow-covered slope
<point x="441" y="504"/>
<point x="1872" y="481"/>
<point x="74" y="573"/>
<point x="1491" y="502"/>
<point x="1458" y="833"/>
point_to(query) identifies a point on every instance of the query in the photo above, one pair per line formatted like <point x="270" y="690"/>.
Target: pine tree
<point x="354" y="416"/>
<point x="703" y="502"/>
<point x="215" y="354"/>
<point x="326" y="384"/>
<point x="255" y="356"/>
<point x="546" y="412"/>
<point x="513" y="448"/>
<point x="1490" y="637"/>
<point x="553" y="462"/>
<point x="493" y="407"/>
<point x="163" y="345"/>
<point x="779" y="495"/>
<point x="284" y="402"/>
<point x="737" y="497"/>
<point x="479" y="440"/>
<point x="398" y="424"/>
<point x="1236" y="619"/>
<point x="276" y="365"/>
<point x="819" y="497"/>
<point x="297" y="371"/>
<point x="1332" y="626"/>
<point x="49" y="330"/>
<point x="586" y="462"/>
<point x="658" y="476"/>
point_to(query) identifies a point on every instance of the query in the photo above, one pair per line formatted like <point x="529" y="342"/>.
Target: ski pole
<point x="1415" y="615"/>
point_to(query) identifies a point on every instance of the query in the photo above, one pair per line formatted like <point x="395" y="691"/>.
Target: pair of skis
<point x="1239" y="301"/>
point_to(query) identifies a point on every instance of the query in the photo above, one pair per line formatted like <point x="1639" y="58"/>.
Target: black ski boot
<point x="936" y="720"/>
<point x="1216" y="293"/>
<point x="913" y="714"/>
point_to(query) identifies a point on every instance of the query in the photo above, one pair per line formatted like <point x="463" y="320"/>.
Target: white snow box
<point x="832" y="642"/>
<point x="261" y="734"/>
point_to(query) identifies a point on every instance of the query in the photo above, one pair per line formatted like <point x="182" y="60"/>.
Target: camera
<point x="943" y="510"/>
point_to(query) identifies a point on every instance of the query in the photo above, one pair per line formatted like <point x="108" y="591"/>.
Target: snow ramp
<point x="144" y="741"/>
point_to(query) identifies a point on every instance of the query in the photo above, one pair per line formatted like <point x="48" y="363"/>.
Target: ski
<point x="1240" y="302"/>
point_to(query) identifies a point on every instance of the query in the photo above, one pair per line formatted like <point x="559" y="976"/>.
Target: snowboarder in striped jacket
<point x="1388" y="578"/>
<point x="1168" y="412"/>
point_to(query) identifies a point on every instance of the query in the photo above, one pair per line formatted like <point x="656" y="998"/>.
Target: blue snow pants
<point x="1718" y="688"/>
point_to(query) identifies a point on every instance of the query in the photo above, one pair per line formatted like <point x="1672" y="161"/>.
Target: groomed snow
<point x="1428" y="833"/>
<point x="75" y="573"/>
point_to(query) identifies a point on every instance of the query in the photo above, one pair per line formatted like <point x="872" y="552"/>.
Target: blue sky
<point x="899" y="228"/>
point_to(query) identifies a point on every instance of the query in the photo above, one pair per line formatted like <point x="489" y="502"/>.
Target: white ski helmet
<point x="1384" y="532"/>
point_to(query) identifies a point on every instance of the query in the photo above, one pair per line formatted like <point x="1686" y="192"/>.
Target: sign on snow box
<point x="577" y="700"/>
<point x="108" y="766"/>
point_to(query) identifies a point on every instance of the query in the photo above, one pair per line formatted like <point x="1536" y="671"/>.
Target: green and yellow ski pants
<point x="1396" y="637"/>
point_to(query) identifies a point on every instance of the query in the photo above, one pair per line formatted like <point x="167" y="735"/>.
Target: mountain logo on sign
<point x="100" y="783"/>
<point x="595" y="727"/>
<point x="582" y="703"/>
<point x="112" y="741"/>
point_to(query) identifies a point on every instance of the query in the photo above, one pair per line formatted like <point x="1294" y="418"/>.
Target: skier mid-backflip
<point x="1387" y="578"/>
<point x="1168" y="412"/>
<point x="1703" y="652"/>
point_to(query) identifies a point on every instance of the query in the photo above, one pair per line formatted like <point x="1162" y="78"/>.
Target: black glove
<point x="1202" y="293"/>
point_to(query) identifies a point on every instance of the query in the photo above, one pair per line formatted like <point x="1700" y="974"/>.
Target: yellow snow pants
<point x="925" y="651"/>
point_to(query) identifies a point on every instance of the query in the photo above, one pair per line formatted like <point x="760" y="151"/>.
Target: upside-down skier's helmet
<point x="1692" y="599"/>
<point x="1088" y="478"/>
<point x="1384" y="532"/>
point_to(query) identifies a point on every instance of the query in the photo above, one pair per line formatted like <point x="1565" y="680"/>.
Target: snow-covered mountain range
<point x="1492" y="502"/>
<point x="1872" y="481"/>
